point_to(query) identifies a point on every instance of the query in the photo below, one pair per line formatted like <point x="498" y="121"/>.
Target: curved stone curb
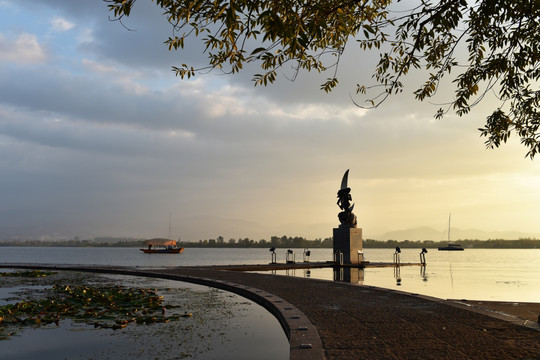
<point x="462" y="304"/>
<point x="516" y="320"/>
<point x="304" y="340"/>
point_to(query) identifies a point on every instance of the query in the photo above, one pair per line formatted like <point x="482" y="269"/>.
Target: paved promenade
<point x="330" y="320"/>
<point x="358" y="322"/>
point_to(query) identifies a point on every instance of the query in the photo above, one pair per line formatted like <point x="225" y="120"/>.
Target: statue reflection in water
<point x="355" y="275"/>
<point x="352" y="275"/>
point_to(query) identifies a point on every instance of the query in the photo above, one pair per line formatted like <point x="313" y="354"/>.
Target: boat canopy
<point x="160" y="242"/>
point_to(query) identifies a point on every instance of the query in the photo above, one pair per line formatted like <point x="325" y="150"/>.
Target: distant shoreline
<point x="284" y="243"/>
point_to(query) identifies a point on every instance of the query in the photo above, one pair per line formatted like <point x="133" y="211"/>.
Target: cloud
<point x="106" y="141"/>
<point x="61" y="24"/>
<point x="25" y="49"/>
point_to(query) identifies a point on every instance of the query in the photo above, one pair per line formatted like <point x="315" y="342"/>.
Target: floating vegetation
<point x="97" y="319"/>
<point x="112" y="307"/>
<point x="27" y="274"/>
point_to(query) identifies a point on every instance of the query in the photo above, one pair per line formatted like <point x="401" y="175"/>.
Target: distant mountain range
<point x="427" y="233"/>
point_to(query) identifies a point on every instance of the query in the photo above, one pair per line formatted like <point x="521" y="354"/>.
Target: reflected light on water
<point x="475" y="274"/>
<point x="223" y="326"/>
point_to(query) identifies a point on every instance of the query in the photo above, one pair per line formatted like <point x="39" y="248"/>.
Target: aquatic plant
<point x="217" y="323"/>
<point x="27" y="274"/>
<point x="112" y="307"/>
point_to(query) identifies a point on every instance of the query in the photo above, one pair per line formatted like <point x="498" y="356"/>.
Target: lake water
<point x="475" y="274"/>
<point x="250" y="331"/>
<point x="222" y="326"/>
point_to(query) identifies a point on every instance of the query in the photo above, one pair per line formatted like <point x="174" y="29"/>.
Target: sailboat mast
<point x="449" y="215"/>
<point x="169" y="226"/>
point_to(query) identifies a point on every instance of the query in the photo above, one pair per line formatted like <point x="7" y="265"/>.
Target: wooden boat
<point x="450" y="247"/>
<point x="161" y="246"/>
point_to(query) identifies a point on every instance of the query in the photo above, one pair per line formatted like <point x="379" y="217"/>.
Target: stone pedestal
<point x="348" y="241"/>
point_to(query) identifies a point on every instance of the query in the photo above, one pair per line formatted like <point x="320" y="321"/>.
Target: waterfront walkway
<point x="333" y="320"/>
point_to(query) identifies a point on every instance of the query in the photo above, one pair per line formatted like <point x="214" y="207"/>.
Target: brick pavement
<point x="356" y="322"/>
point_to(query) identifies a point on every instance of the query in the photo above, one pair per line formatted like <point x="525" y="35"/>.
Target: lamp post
<point x="396" y="255"/>
<point x="423" y="256"/>
<point x="273" y="251"/>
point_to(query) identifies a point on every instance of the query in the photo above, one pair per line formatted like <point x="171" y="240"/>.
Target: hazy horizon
<point x="411" y="234"/>
<point x="99" y="138"/>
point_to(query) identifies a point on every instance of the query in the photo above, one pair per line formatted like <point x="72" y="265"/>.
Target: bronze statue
<point x="346" y="217"/>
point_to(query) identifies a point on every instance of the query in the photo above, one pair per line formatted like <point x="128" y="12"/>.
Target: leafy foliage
<point x="499" y="39"/>
<point x="270" y="32"/>
<point x="502" y="43"/>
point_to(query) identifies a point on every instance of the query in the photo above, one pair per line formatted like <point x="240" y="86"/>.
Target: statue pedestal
<point x="348" y="241"/>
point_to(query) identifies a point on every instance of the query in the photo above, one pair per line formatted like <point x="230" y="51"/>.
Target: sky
<point x="98" y="137"/>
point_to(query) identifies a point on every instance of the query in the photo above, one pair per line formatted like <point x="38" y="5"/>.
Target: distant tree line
<point x="470" y="244"/>
<point x="275" y="241"/>
<point x="300" y="242"/>
<point x="97" y="242"/>
<point x="280" y="242"/>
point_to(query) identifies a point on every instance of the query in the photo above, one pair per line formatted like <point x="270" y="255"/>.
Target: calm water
<point x="475" y="274"/>
<point x="223" y="326"/>
<point x="500" y="275"/>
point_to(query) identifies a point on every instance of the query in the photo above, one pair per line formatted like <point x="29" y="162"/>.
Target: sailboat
<point x="450" y="247"/>
<point x="162" y="246"/>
